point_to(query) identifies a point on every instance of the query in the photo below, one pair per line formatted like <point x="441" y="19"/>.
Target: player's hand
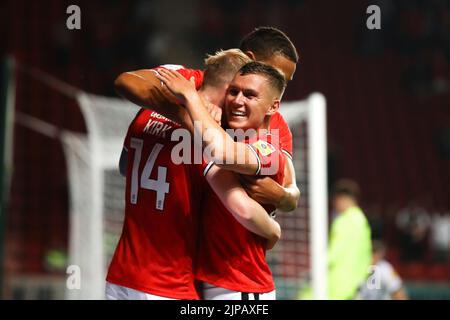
<point x="177" y="84"/>
<point x="272" y="241"/>
<point x="263" y="190"/>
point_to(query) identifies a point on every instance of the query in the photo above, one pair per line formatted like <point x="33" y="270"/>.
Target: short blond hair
<point x="222" y="66"/>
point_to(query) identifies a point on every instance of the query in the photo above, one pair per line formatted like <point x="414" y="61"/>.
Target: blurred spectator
<point x="440" y="237"/>
<point x="413" y="223"/>
<point x="384" y="283"/>
<point x="349" y="254"/>
<point x="419" y="32"/>
<point x="350" y="249"/>
<point x="421" y="36"/>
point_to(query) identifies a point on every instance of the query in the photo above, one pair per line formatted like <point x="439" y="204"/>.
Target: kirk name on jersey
<point x="156" y="127"/>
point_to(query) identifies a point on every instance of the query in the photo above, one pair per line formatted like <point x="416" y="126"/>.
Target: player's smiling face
<point x="248" y="101"/>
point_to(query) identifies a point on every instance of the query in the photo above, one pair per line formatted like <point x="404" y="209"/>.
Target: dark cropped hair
<point x="265" y="42"/>
<point x="275" y="78"/>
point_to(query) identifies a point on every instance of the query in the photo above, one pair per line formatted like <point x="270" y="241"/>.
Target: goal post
<point x="96" y="189"/>
<point x="302" y="250"/>
<point x="7" y="98"/>
<point x="318" y="196"/>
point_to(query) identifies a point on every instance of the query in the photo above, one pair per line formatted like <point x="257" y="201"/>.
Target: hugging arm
<point x="224" y="151"/>
<point x="144" y="89"/>
<point x="244" y="209"/>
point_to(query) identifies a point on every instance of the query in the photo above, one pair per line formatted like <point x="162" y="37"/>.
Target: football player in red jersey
<point x="231" y="259"/>
<point x="154" y="256"/>
<point x="264" y="44"/>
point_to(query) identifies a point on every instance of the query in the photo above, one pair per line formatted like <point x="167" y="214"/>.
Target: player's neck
<point x="212" y="95"/>
<point x="265" y="125"/>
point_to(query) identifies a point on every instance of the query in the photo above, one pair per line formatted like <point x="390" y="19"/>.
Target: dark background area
<point x="387" y="91"/>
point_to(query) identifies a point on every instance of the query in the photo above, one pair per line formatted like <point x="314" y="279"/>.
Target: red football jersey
<point x="229" y="255"/>
<point x="187" y="73"/>
<point x="157" y="247"/>
<point x="276" y="121"/>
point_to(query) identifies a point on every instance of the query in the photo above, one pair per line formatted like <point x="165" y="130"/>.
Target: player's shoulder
<point x="180" y="68"/>
<point x="279" y="126"/>
<point x="187" y="73"/>
<point x="175" y="67"/>
<point x="277" y="116"/>
<point x="142" y="115"/>
<point x="170" y="66"/>
<point x="277" y="121"/>
<point x="149" y="119"/>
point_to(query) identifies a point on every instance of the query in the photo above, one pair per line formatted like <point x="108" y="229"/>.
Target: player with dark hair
<point x="273" y="47"/>
<point x="231" y="260"/>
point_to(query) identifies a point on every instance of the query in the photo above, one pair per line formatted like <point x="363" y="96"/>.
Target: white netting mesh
<point x="96" y="190"/>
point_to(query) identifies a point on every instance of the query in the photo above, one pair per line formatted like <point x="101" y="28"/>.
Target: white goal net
<point x="96" y="190"/>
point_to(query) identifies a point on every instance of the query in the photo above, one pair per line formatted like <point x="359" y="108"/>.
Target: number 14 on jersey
<point x="160" y="185"/>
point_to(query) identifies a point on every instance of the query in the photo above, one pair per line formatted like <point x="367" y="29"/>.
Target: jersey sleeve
<point x="277" y="122"/>
<point x="270" y="158"/>
<point x="185" y="72"/>
<point x="197" y="74"/>
<point x="126" y="141"/>
<point x="203" y="168"/>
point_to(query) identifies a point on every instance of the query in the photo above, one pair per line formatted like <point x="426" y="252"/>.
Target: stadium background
<point x="387" y="92"/>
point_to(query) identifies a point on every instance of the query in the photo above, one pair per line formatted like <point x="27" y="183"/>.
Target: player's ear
<point x="250" y="54"/>
<point x="274" y="107"/>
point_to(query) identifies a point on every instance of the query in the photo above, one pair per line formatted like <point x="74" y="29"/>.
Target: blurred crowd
<point x="423" y="236"/>
<point x="420" y="32"/>
<point x="135" y="34"/>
